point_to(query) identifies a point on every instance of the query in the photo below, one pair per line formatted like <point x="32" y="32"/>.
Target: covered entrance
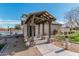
<point x="35" y="26"/>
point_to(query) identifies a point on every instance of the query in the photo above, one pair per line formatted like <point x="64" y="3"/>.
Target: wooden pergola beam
<point x="41" y="17"/>
<point x="28" y="17"/>
<point x="41" y="20"/>
<point x="38" y="19"/>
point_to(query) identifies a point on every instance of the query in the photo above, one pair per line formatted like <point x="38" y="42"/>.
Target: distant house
<point x="70" y="26"/>
<point x="3" y="29"/>
<point x="39" y="24"/>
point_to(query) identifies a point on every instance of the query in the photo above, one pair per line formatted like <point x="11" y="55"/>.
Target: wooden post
<point x="66" y="42"/>
<point x="10" y="31"/>
<point x="42" y="30"/>
<point x="38" y="29"/>
<point x="8" y="28"/>
<point x="28" y="29"/>
<point x="23" y="30"/>
<point x="49" y="32"/>
<point x="32" y="39"/>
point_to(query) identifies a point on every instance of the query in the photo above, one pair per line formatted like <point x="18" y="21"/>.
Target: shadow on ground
<point x="19" y="45"/>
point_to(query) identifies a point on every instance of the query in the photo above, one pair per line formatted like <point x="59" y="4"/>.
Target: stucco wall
<point x="55" y="27"/>
<point x="46" y="29"/>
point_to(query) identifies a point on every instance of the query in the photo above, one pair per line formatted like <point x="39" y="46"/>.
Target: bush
<point x="74" y="37"/>
<point x="1" y="46"/>
<point x="60" y="37"/>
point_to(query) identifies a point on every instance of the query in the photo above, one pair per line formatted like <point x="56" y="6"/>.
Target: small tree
<point x="18" y="26"/>
<point x="73" y="18"/>
<point x="73" y="15"/>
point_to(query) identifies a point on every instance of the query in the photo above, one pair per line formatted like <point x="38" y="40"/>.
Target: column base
<point x="48" y="41"/>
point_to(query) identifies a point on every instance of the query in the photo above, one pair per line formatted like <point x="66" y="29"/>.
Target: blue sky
<point x="10" y="13"/>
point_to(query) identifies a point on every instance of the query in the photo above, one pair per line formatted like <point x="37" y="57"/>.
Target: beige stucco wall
<point x="56" y="27"/>
<point x="46" y="29"/>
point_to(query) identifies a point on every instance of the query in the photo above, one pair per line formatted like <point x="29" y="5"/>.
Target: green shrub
<point x="74" y="37"/>
<point x="1" y="46"/>
<point x="60" y="37"/>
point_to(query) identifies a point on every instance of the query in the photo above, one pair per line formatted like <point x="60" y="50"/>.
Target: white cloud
<point x="9" y="21"/>
<point x="62" y="20"/>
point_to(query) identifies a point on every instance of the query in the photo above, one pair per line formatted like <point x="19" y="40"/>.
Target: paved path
<point x="50" y="50"/>
<point x="6" y="49"/>
<point x="13" y="46"/>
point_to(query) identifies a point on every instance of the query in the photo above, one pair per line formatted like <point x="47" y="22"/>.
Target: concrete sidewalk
<point x="50" y="50"/>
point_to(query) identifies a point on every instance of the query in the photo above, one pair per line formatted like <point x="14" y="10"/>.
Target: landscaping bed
<point x="72" y="47"/>
<point x="73" y="44"/>
<point x="72" y="38"/>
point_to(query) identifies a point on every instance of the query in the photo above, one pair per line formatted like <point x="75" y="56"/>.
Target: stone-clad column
<point x="38" y="29"/>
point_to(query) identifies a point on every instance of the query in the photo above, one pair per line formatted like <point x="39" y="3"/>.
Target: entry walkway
<point x="50" y="50"/>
